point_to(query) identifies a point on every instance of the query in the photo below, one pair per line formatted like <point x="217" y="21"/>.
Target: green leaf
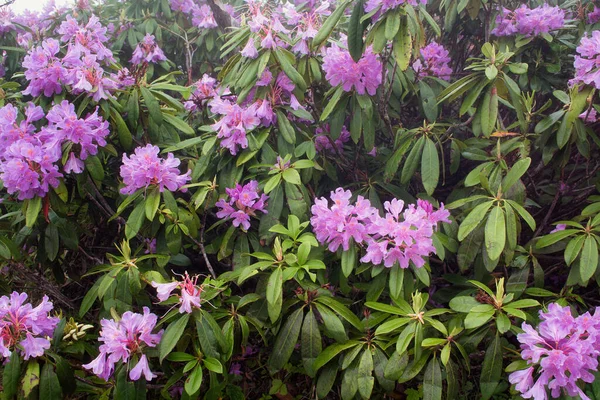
<point x="552" y="238"/>
<point x="392" y="25"/>
<point x="396" y="366"/>
<point x="94" y="167"/>
<point x="492" y="368"/>
<point x="289" y="70"/>
<point x="292" y="176"/>
<point x="342" y="310"/>
<point x="214" y="365"/>
<point x="31" y="378"/>
<point x="549" y="121"/>
<point x="588" y="261"/>
<point x="428" y="101"/>
<point x="348" y="260"/>
<point x="172" y="335"/>
<point x="285" y="128"/>
<point x="11" y="375"/>
<point x="274" y="294"/>
<point x="463" y="304"/>
<point x="523" y="213"/>
<point x="412" y="161"/>
<point x="125" y="137"/>
<point x="152" y="202"/>
<point x="272" y="183"/>
<point x="152" y="106"/>
<point x="310" y="340"/>
<point x="329" y="24"/>
<point x="326" y="381"/>
<point x="332" y="351"/>
<point x="515" y="173"/>
<point x="355" y="32"/>
<point x="432" y="381"/>
<point x="488" y="111"/>
<point x="332" y="103"/>
<point x="430" y="167"/>
<point x="34" y="206"/>
<point x="473" y="219"/>
<point x="286" y="341"/>
<point x="193" y="381"/>
<point x="178" y="124"/>
<point x="402" y="46"/>
<point x="135" y="220"/>
<point x="574" y="248"/>
<point x="477" y="319"/>
<point x="495" y="233"/>
<point x="49" y="384"/>
<point x="365" y="374"/>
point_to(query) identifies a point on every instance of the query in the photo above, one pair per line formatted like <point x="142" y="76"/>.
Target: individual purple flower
<point x="594" y="16"/>
<point x="150" y="246"/>
<point x="435" y="62"/>
<point x="85" y="40"/>
<point x="587" y="61"/>
<point x="24" y="328"/>
<point x="561" y="353"/>
<point x="125" y="340"/>
<point x="88" y="76"/>
<point x="189" y="292"/>
<point x="145" y="168"/>
<point x="124" y="78"/>
<point x="589" y="116"/>
<point x="29" y="169"/>
<point x="558" y="228"/>
<point x="244" y="202"/>
<point x="86" y="134"/>
<point x="529" y="21"/>
<point x="323" y="143"/>
<point x="236" y="122"/>
<point x="13" y="130"/>
<point x="385" y="5"/>
<point x="203" y="17"/>
<point x="147" y="51"/>
<point x="204" y="90"/>
<point x="249" y="50"/>
<point x="363" y="76"/>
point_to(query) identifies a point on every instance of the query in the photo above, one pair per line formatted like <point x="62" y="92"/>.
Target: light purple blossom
<point x="562" y="352"/>
<point x="587" y="61"/>
<point x="145" y="168"/>
<point x="590" y="116"/>
<point x="363" y="76"/>
<point x="189" y="292"/>
<point x="204" y="90"/>
<point x="435" y="62"/>
<point x="385" y="5"/>
<point x="147" y="51"/>
<point x="594" y="16"/>
<point x="24" y="328"/>
<point x="85" y="40"/>
<point x="236" y="121"/>
<point x="558" y="228"/>
<point x="244" y="202"/>
<point x="125" y="340"/>
<point x="44" y="70"/>
<point x="529" y="21"/>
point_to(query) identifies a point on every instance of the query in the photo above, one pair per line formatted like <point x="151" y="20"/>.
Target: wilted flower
<point x="244" y="202"/>
<point x="145" y="168"/>
<point x="189" y="295"/>
<point x="363" y="76"/>
<point x="125" y="340"/>
<point x="23" y="327"/>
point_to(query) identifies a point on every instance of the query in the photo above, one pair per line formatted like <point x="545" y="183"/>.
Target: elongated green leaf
<point x="285" y="128"/>
<point x="412" y="161"/>
<point x="289" y="70"/>
<point x="329" y="24"/>
<point x="286" y="341"/>
<point x="152" y="202"/>
<point x="274" y="294"/>
<point x="332" y="351"/>
<point x="355" y="32"/>
<point x="135" y="220"/>
<point x="492" y="368"/>
<point x="430" y="167"/>
<point x="402" y="46"/>
<point x="11" y="375"/>
<point x="178" y="124"/>
<point x="474" y="218"/>
<point x="495" y="233"/>
<point x="332" y="103"/>
<point x="365" y="374"/>
<point x="489" y="111"/>
<point x="552" y="238"/>
<point x="311" y="345"/>
<point x="193" y="381"/>
<point x="588" y="261"/>
<point x="34" y="206"/>
<point x="432" y="381"/>
<point x="49" y="384"/>
<point x="152" y="106"/>
<point x="172" y="335"/>
<point x="515" y="173"/>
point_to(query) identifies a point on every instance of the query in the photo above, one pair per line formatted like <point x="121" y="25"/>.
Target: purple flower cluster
<point x="562" y="351"/>
<point x="385" y="5"/>
<point x="204" y="89"/>
<point x="202" y="15"/>
<point x="529" y="21"/>
<point x="244" y="202"/>
<point x="23" y="327"/>
<point x="305" y="24"/>
<point x="236" y="121"/>
<point x="147" y="51"/>
<point x="341" y="69"/>
<point x="124" y="340"/>
<point x="323" y="142"/>
<point x="145" y="168"/>
<point x="590" y="116"/>
<point x="435" y="62"/>
<point x="587" y="61"/>
<point x="401" y="236"/>
<point x="594" y="16"/>
<point x="28" y="159"/>
<point x="79" y="68"/>
<point x="189" y="292"/>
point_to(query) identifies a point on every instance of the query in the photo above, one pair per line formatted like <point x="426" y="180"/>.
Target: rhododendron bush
<point x="353" y="199"/>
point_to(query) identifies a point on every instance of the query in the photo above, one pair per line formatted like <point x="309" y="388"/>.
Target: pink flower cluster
<point x="587" y="61"/>
<point x="401" y="236"/>
<point x="244" y="202"/>
<point x="25" y="328"/>
<point x="435" y="61"/>
<point x="305" y="24"/>
<point x="79" y="68"/>
<point x="204" y="90"/>
<point x="594" y="16"/>
<point x="124" y="340"/>
<point x="341" y="69"/>
<point x="385" y="5"/>
<point x="202" y="15"/>
<point x="28" y="159"/>
<point x="529" y="21"/>
<point x="562" y="352"/>
<point x="147" y="51"/>
<point x="145" y="168"/>
<point x="189" y="295"/>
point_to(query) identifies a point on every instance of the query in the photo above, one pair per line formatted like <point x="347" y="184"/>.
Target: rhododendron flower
<point x="385" y="5"/>
<point x="11" y="130"/>
<point x="125" y="340"/>
<point x="235" y="123"/>
<point x="561" y="353"/>
<point x="244" y="202"/>
<point x="589" y="116"/>
<point x="204" y="89"/>
<point x="363" y="76"/>
<point x="189" y="295"/>
<point x="86" y="133"/>
<point x="587" y="61"/>
<point x="24" y="328"/>
<point x="529" y="21"/>
<point x="436" y="59"/>
<point x="402" y="236"/>
<point x="44" y="70"/>
<point x="558" y="228"/>
<point x="594" y="16"/>
<point x="145" y="168"/>
<point x="85" y="40"/>
<point x="323" y="141"/>
<point x="203" y="17"/>
<point x="147" y="51"/>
